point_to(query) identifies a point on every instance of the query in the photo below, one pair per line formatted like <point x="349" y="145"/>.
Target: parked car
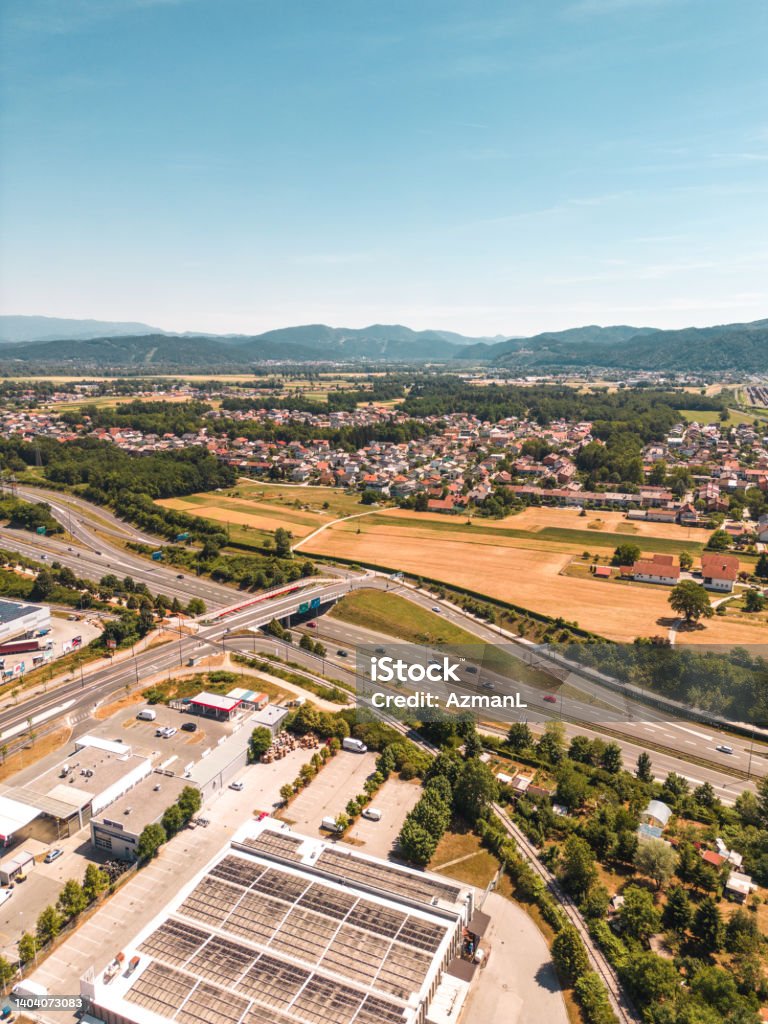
<point x="550" y="698"/>
<point x="237" y="786"/>
<point x="169" y="730"/>
<point x="189" y="727"/>
<point x="53" y="855"/>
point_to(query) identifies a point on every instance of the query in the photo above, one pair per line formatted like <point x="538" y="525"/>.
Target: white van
<point x="329" y="824"/>
<point x="147" y="715"/>
<point x="372" y="813"/>
<point x="29" y="988"/>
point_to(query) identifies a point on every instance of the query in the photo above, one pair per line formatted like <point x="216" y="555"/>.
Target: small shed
<point x="657" y="813"/>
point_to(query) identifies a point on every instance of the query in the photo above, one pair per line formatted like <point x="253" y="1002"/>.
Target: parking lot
<point x="64" y="628"/>
<point x="174" y="752"/>
<point x="328" y="793"/>
<point x="395" y="799"/>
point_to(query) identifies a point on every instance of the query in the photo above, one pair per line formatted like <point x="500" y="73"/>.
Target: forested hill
<point x="728" y="347"/>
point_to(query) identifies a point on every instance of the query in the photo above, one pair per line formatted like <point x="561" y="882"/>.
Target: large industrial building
<point x="116" y="831"/>
<point x="281" y="928"/>
<point x="21" y="620"/>
<point x="62" y="800"/>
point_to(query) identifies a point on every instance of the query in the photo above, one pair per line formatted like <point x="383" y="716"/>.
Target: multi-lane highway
<point x="583" y="704"/>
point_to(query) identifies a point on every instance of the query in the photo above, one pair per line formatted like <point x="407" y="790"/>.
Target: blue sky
<point x="238" y="165"/>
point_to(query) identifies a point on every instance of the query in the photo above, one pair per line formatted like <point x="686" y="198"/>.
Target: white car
<point x="169" y="731"/>
<point x="237" y="786"/>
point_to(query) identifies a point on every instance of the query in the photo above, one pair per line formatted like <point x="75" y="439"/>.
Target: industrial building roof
<point x="267" y="935"/>
<point x="14" y="815"/>
<point x="143" y="804"/>
<point x="11" y="610"/>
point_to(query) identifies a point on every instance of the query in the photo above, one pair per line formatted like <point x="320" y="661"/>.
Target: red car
<point x="311" y="625"/>
<point x="550" y="699"/>
<point x="263" y="815"/>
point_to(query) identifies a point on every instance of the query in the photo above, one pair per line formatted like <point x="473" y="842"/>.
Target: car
<point x="160" y="730"/>
<point x="472" y="669"/>
<point x="237" y="786"/>
<point x="53" y="855"/>
<point x="724" y="748"/>
<point x="311" y="625"/>
<point x="550" y="698"/>
<point x="342" y="654"/>
<point x="263" y="815"/>
<point x="44" y="557"/>
<point x="436" y="609"/>
<point x="380" y="650"/>
<point x="170" y="730"/>
<point x="189" y="727"/>
<point x="179" y="575"/>
<point x="487" y="685"/>
<point x="21" y="877"/>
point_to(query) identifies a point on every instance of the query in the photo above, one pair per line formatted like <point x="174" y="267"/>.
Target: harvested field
<point x="527" y="577"/>
<point x="223" y="513"/>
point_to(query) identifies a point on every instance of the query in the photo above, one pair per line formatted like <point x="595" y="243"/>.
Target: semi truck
<point x="356" y="746"/>
<point x="20" y="646"/>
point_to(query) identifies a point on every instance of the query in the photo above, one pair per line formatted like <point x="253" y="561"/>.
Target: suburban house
<point x="718" y="571"/>
<point x="658" y="569"/>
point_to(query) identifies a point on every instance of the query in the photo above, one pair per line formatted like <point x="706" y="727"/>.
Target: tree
<point x="72" y="900"/>
<point x="677" y="910"/>
<point x="150" y="841"/>
<point x="95" y="882"/>
<point x="172" y="820"/>
<point x="655" y="859"/>
<point x="690" y="600"/>
<point x="686" y="561"/>
<point x="719" y="541"/>
<point x="196" y="606"/>
<point x="286" y="792"/>
<point x="189" y="801"/>
<point x="28" y="947"/>
<point x="475" y="790"/>
<point x="626" y="554"/>
<point x="638" y="915"/>
<point x="651" y="979"/>
<point x="644" y="770"/>
<point x="754" y="601"/>
<point x="708" y="925"/>
<point x="571" y="788"/>
<point x="568" y="953"/>
<point x="7" y="971"/>
<point x="577" y="866"/>
<point x="551" y="745"/>
<point x="49" y="922"/>
<point x="761" y="569"/>
<point x="519" y="737"/>
<point x="44" y="586"/>
<point x="612" y="759"/>
<point x="259" y="743"/>
<point x="417" y="845"/>
<point x="595" y="904"/>
<point x="742" y="934"/>
<point x="705" y="795"/>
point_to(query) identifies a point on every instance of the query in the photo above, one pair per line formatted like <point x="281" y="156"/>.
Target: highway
<point x="583" y="704"/>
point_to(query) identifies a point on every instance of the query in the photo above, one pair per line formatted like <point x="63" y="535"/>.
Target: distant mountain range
<point x="31" y="343"/>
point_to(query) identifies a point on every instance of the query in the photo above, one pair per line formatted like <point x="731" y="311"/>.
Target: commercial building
<point x="117" y="830"/>
<point x="63" y="800"/>
<point x="285" y="929"/>
<point x="20" y="620"/>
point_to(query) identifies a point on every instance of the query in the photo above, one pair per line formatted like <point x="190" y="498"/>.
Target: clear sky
<point x="486" y="167"/>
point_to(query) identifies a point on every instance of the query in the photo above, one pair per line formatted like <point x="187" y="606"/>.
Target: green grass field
<point x="703" y="416"/>
<point x="339" y="502"/>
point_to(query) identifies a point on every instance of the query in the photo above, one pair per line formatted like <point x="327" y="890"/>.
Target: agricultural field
<point x="702" y="416"/>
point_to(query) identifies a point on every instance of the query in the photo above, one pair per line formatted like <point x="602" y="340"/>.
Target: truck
<point x="19" y="646"/>
<point x="182" y="536"/>
<point x="356" y="746"/>
<point x="29" y="988"/>
<point x="156" y="556"/>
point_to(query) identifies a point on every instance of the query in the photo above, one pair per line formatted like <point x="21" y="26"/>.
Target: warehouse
<point x="117" y="830"/>
<point x="63" y="799"/>
<point x="20" y="620"/>
<point x="285" y="929"/>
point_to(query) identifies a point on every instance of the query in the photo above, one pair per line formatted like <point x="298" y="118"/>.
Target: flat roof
<point x="14" y="815"/>
<point x="262" y="936"/>
<point x="269" y="715"/>
<point x="143" y="804"/>
<point x="11" y="610"/>
<point x="217" y="701"/>
<point x="107" y="768"/>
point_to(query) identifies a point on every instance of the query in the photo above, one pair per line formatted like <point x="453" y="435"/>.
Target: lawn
<point x="340" y="503"/>
<point x="387" y="613"/>
<point x="474" y="864"/>
<point x="703" y="416"/>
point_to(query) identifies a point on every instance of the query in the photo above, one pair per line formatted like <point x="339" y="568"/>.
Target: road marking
<point x="692" y="732"/>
